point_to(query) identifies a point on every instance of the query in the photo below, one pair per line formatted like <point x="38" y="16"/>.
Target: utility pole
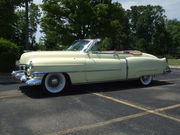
<point x="27" y="25"/>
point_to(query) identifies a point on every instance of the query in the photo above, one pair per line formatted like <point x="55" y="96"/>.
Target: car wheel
<point x="146" y="80"/>
<point x="55" y="82"/>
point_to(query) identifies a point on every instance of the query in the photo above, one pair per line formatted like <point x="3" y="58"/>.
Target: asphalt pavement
<point x="118" y="108"/>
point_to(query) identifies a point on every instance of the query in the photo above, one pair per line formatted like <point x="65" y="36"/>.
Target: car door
<point x="104" y="66"/>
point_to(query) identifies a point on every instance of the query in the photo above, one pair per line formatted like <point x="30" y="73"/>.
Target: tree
<point x="67" y="20"/>
<point x="173" y="28"/>
<point x="112" y="22"/>
<point x="9" y="52"/>
<point x="148" y="29"/>
<point x="34" y="20"/>
<point x="8" y="18"/>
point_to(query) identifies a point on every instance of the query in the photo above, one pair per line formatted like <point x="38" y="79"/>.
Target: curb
<point x="178" y="67"/>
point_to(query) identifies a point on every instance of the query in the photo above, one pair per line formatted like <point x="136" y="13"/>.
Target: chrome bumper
<point x="167" y="70"/>
<point x="20" y="75"/>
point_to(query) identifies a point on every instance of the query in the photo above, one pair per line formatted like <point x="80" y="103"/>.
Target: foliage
<point x="143" y="28"/>
<point x="8" y="18"/>
<point x="173" y="28"/>
<point x="106" y="44"/>
<point x="112" y="22"/>
<point x="8" y="55"/>
<point x="65" y="21"/>
<point x="34" y="19"/>
<point x="148" y="30"/>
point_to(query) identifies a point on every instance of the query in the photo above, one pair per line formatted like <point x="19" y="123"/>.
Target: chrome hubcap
<point x="53" y="81"/>
<point x="146" y="80"/>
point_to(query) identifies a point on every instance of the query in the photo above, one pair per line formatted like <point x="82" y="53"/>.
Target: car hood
<point x="48" y="55"/>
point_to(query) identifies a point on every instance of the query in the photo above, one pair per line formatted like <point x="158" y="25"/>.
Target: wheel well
<point x="67" y="77"/>
<point x="43" y="79"/>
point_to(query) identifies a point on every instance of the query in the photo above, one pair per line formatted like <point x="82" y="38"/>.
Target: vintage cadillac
<point x="83" y="62"/>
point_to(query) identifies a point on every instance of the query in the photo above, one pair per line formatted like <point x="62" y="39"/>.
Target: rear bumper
<point x="167" y="70"/>
<point x="20" y="75"/>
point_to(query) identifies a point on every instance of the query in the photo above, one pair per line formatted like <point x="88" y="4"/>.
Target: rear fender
<point x="139" y="66"/>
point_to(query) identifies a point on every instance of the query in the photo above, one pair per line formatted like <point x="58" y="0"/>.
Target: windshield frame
<point x="86" y="46"/>
<point x="91" y="45"/>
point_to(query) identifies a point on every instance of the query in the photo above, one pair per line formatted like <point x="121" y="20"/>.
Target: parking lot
<point x="118" y="108"/>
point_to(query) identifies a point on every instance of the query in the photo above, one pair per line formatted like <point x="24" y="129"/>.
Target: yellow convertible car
<point x="84" y="62"/>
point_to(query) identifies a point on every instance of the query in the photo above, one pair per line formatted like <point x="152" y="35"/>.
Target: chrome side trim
<point x="127" y="69"/>
<point x="75" y="71"/>
<point x="108" y="53"/>
<point x="59" y="65"/>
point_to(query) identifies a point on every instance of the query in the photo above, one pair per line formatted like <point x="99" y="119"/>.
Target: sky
<point x="172" y="8"/>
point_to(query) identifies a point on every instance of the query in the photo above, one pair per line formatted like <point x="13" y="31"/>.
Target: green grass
<point x="174" y="62"/>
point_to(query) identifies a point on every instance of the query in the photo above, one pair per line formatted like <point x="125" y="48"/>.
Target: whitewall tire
<point x="146" y="80"/>
<point x="55" y="82"/>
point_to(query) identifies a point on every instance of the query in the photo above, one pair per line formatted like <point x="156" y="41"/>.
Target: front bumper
<point x="20" y="75"/>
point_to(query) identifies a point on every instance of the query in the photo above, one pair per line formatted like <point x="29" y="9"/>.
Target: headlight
<point x="30" y="66"/>
<point x="29" y="69"/>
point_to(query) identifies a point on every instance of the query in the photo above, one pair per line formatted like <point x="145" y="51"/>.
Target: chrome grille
<point x="22" y="67"/>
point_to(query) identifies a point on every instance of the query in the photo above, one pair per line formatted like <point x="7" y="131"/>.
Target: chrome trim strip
<point x="59" y="65"/>
<point x="79" y="71"/>
<point x="127" y="69"/>
<point x="108" y="53"/>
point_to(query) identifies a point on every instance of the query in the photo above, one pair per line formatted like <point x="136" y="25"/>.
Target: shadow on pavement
<point x="9" y="83"/>
<point x="38" y="92"/>
<point x="7" y="79"/>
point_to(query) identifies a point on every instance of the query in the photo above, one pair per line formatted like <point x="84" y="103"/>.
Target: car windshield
<point x="78" y="45"/>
